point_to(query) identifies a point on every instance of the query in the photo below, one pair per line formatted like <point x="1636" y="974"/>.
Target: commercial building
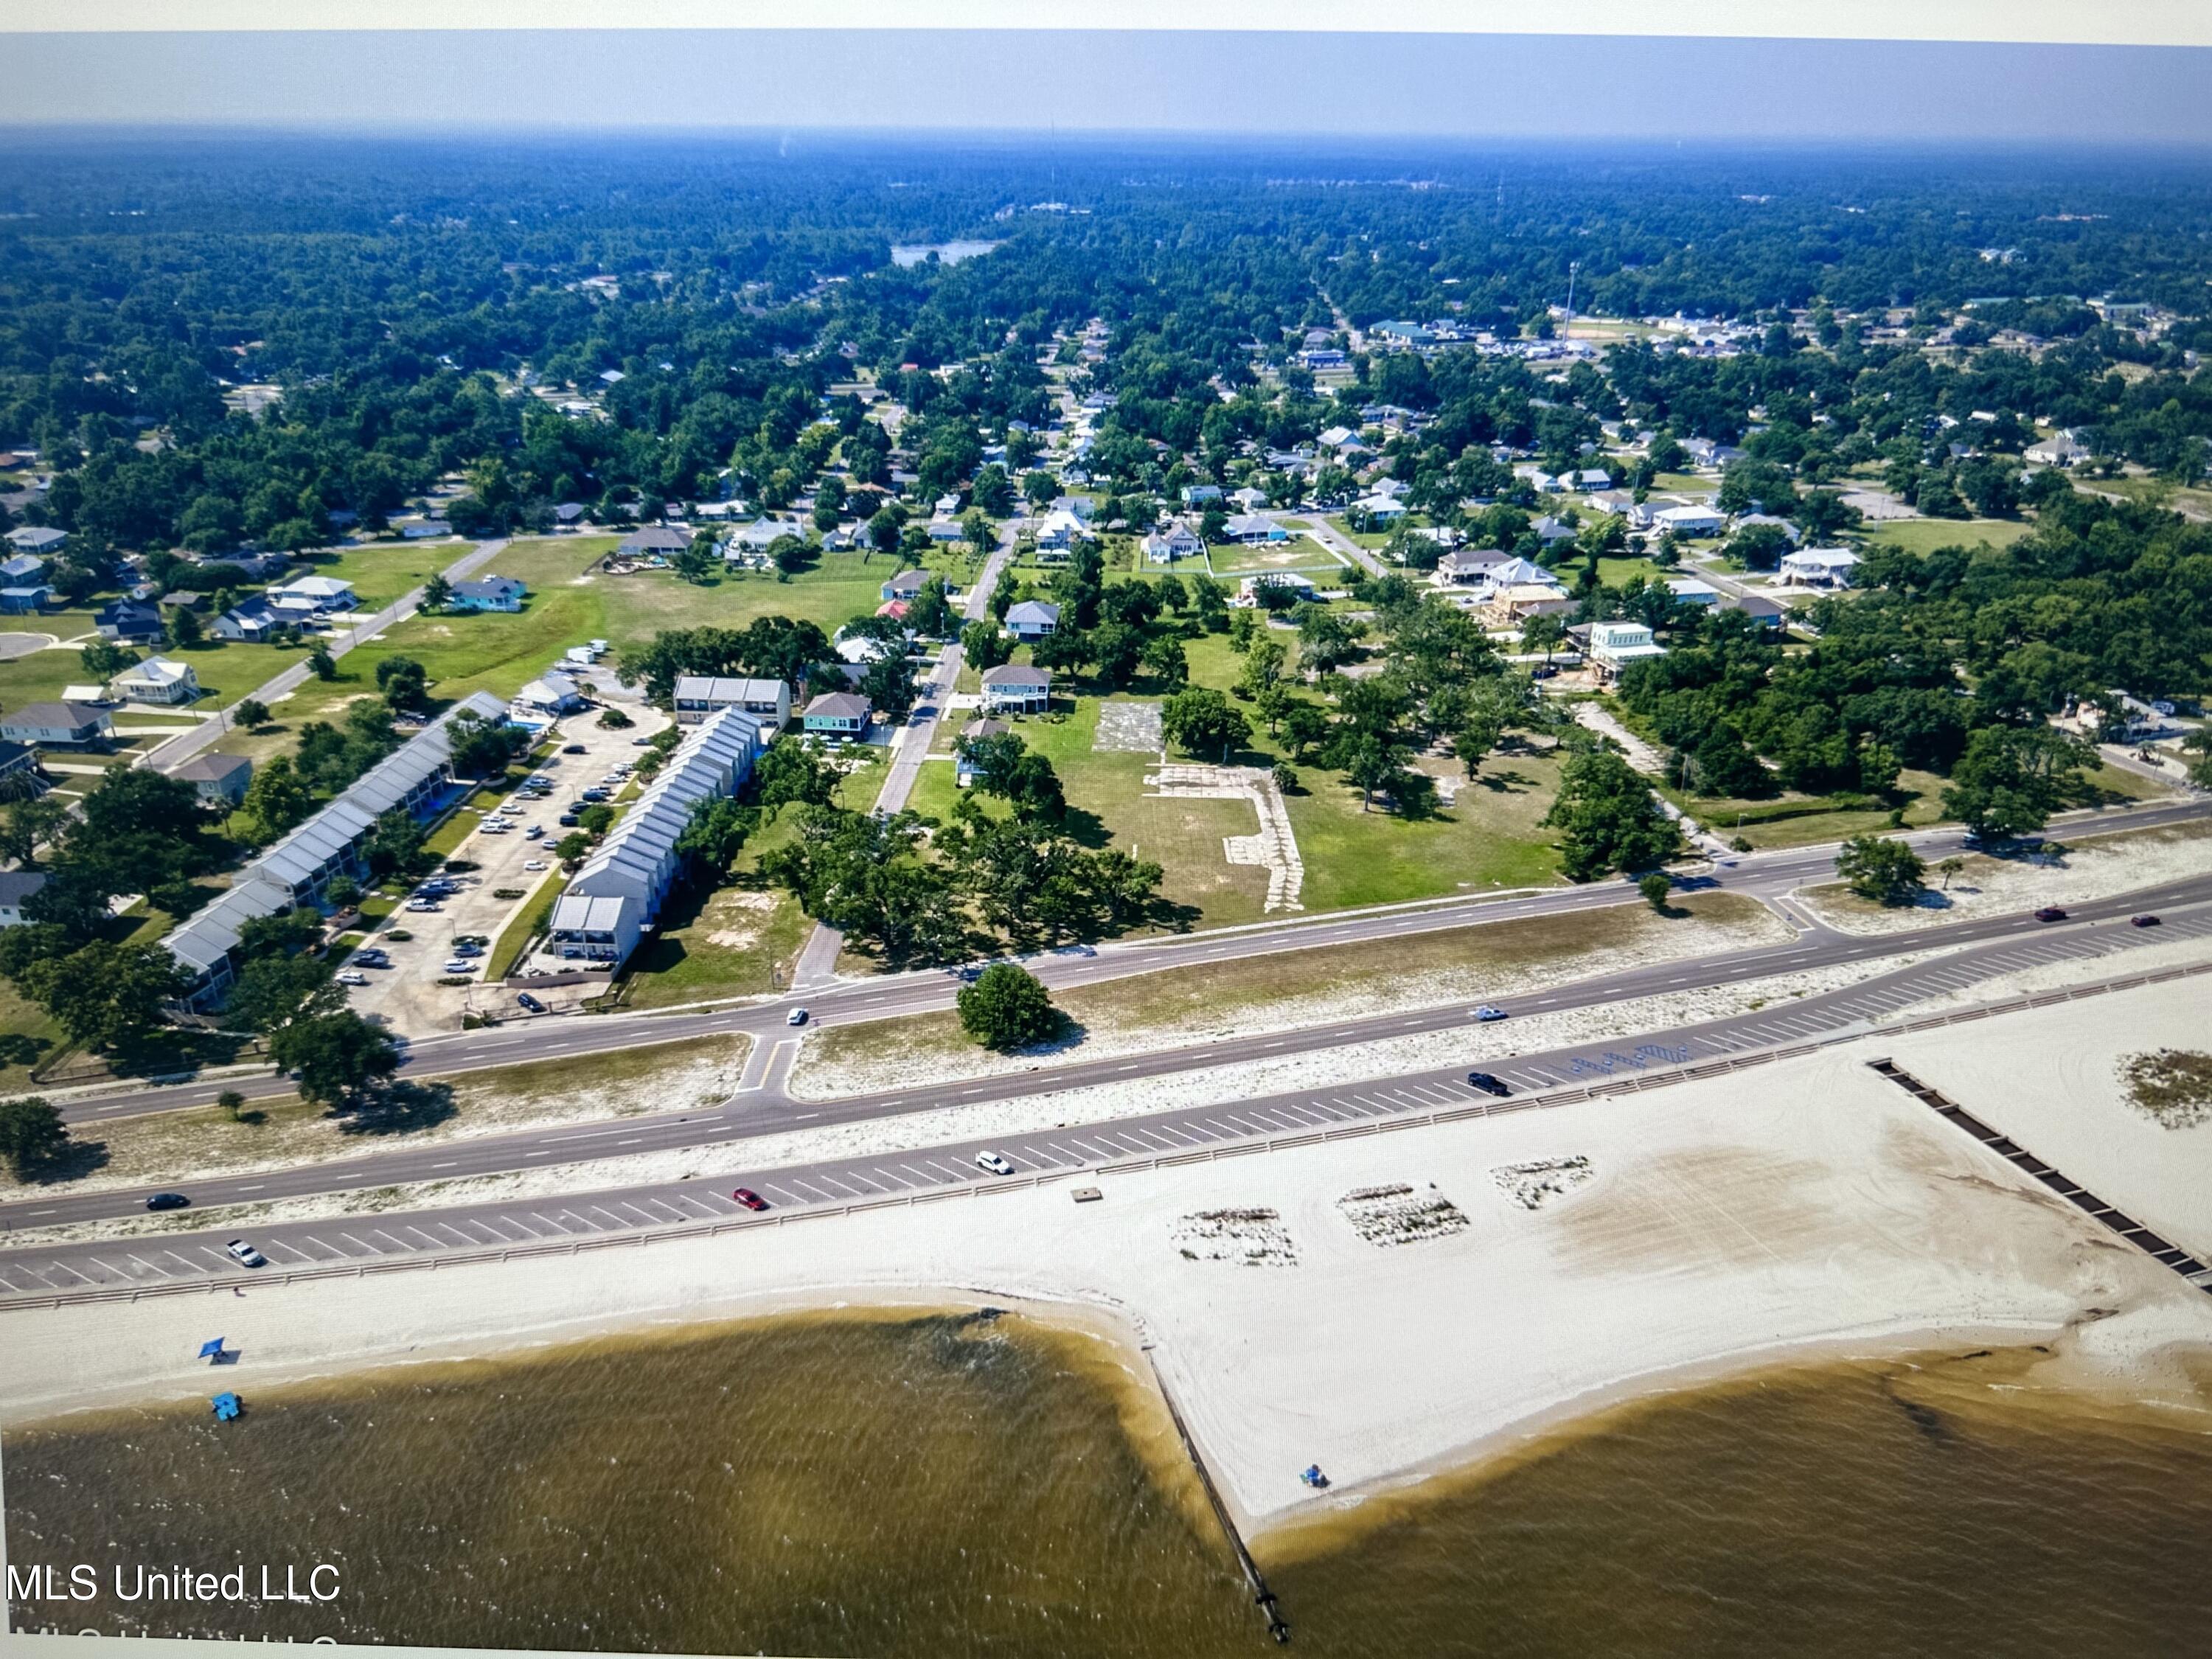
<point x="616" y="897"/>
<point x="698" y="695"/>
<point x="417" y="780"/>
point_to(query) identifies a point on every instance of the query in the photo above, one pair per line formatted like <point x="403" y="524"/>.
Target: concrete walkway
<point x="1274" y="849"/>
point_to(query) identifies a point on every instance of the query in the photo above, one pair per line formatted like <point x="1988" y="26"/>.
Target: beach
<point x="1385" y="1307"/>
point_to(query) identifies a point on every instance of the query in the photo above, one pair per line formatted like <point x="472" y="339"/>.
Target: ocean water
<point x="865" y="1485"/>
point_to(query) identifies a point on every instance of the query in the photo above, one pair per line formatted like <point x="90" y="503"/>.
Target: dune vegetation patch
<point x="2172" y="1087"/>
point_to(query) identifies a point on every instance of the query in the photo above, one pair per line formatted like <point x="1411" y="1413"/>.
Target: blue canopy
<point x="227" y="1406"/>
<point x="211" y="1347"/>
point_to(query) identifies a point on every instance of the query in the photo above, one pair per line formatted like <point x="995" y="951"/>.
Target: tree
<point x="232" y="1103"/>
<point x="335" y="1058"/>
<point x="1655" y="887"/>
<point x="481" y="747"/>
<point x="321" y="663"/>
<point x="101" y="994"/>
<point x="571" y="848"/>
<point x="186" y="629"/>
<point x="2012" y="778"/>
<point x="272" y="991"/>
<point x="792" y="770"/>
<point x="27" y="824"/>
<point x="1263" y="665"/>
<point x="252" y="712"/>
<point x="103" y="660"/>
<point x="405" y="684"/>
<point x="1201" y="720"/>
<point x="1887" y="872"/>
<point x="1606" y="817"/>
<point x="888" y="686"/>
<point x="437" y="592"/>
<point x="277" y="798"/>
<point x="1007" y="1007"/>
<point x="1543" y="633"/>
<point x="1165" y="662"/>
<point x="32" y="1135"/>
<point x="984" y="646"/>
<point x="714" y="833"/>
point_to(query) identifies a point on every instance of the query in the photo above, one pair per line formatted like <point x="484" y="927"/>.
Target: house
<point x="1688" y="590"/>
<point x="130" y="622"/>
<point x="700" y="696"/>
<point x="1521" y="600"/>
<point x="907" y="584"/>
<point x="611" y="901"/>
<point x="23" y="601"/>
<point x="319" y="593"/>
<point x="253" y="620"/>
<point x="15" y="760"/>
<point x="18" y="888"/>
<point x="1769" y="521"/>
<point x="1252" y="529"/>
<point x="838" y="716"/>
<point x="1768" y="613"/>
<point x="964" y="772"/>
<point x="67" y="724"/>
<point x="1082" y="506"/>
<point x="1820" y="567"/>
<point x="40" y="539"/>
<point x="1343" y="440"/>
<point x="23" y="568"/>
<point x="1059" y="532"/>
<point x="650" y="541"/>
<point x="219" y="780"/>
<point x="1549" y="530"/>
<point x="1032" y="619"/>
<point x="1473" y="565"/>
<point x="417" y="779"/>
<point x="1614" y="644"/>
<point x="1010" y="689"/>
<point x="157" y="680"/>
<point x="945" y="531"/>
<point x="1687" y="520"/>
<point x="1249" y="500"/>
<point x="489" y="593"/>
<point x="1177" y="540"/>
<point x="1322" y="358"/>
<point x="1587" y="478"/>
<point x="1200" y="495"/>
<point x="568" y="516"/>
<point x="2062" y="450"/>
<point x="550" y="693"/>
<point x="945" y="506"/>
<point x="1383" y="509"/>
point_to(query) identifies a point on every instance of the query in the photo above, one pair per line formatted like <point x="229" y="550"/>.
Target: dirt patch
<point x="1531" y="1186"/>
<point x="737" y="931"/>
<point x="1251" y="1238"/>
<point x="1133" y="727"/>
<point x="1388" y="1216"/>
<point x="1703" y="1210"/>
<point x="2172" y="1087"/>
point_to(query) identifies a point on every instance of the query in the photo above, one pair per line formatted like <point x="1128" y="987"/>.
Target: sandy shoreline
<point x="1803" y="1210"/>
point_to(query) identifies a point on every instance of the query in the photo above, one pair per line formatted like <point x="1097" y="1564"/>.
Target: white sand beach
<point x="1805" y="1207"/>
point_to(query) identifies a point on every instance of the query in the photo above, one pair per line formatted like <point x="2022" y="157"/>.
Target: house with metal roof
<point x="415" y="778"/>
<point x="157" y="680"/>
<point x="698" y="695"/>
<point x="1032" y="619"/>
<point x="615" y="897"/>
<point x="488" y="593"/>
<point x="837" y="715"/>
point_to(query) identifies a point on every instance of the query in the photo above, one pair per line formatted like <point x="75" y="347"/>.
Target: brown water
<point x="941" y="1486"/>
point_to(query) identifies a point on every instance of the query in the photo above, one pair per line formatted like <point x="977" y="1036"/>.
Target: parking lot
<point x="406" y="995"/>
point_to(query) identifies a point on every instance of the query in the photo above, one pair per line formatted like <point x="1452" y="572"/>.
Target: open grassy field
<point x="1924" y="536"/>
<point x="1299" y="553"/>
<point x="382" y="571"/>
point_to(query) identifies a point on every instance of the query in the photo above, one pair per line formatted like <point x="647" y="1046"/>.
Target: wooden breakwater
<point x="1262" y="1597"/>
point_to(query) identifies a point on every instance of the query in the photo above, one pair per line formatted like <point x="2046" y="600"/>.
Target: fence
<point x="429" y="1261"/>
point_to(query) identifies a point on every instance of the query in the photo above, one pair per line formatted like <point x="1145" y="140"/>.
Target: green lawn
<point x="1299" y="553"/>
<point x="1924" y="536"/>
<point x="382" y="571"/>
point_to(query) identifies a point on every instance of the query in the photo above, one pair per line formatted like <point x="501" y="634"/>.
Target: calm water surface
<point x="944" y="1486"/>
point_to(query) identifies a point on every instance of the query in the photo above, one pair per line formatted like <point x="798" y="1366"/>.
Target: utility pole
<point x="1573" y="265"/>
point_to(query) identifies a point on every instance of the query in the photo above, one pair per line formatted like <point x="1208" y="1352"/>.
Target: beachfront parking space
<point x="407" y="996"/>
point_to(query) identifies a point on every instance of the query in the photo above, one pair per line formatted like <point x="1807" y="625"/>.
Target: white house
<point x="1687" y="520"/>
<point x="1177" y="540"/>
<point x="157" y="680"/>
<point x="1060" y="530"/>
<point x="67" y="723"/>
<point x="1383" y="509"/>
<point x="550" y="693"/>
<point x="319" y="592"/>
<point x="1252" y="528"/>
<point x="1012" y="689"/>
<point x="43" y="540"/>
<point x="1471" y="566"/>
<point x="1614" y="644"/>
<point x="700" y="696"/>
<point x="2062" y="450"/>
<point x="1688" y="590"/>
<point x="1820" y="567"/>
<point x="1032" y="619"/>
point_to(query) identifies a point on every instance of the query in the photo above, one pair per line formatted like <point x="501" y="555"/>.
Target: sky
<point x="1249" y="82"/>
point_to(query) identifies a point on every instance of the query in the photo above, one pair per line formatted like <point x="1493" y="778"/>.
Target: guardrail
<point x="1635" y="1083"/>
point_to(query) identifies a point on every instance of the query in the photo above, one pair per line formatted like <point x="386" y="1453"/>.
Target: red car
<point x="750" y="1198"/>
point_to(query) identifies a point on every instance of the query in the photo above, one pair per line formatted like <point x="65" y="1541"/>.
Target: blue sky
<point x="1476" y="85"/>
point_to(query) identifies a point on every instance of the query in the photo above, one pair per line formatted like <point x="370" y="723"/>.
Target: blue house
<point x="489" y="593"/>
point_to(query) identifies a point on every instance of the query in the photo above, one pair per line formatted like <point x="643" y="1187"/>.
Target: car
<point x="641" y="743"/>
<point x="167" y="1201"/>
<point x="422" y="906"/>
<point x="749" y="1198"/>
<point x="1544" y="671"/>
<point x="2145" y="920"/>
<point x="572" y="749"/>
<point x="994" y="1164"/>
<point x="495" y="827"/>
<point x="537" y="864"/>
<point x="1485" y="1013"/>
<point x="796" y="1016"/>
<point x="466" y="949"/>
<point x="347" y="977"/>
<point x="530" y="1002"/>
<point x="533" y="832"/>
<point x="239" y="1250"/>
<point x="460" y="965"/>
<point x="372" y="957"/>
<point x="2050" y="913"/>
<point x="592" y="795"/>
<point x="1488" y="1083"/>
<point x="568" y="820"/>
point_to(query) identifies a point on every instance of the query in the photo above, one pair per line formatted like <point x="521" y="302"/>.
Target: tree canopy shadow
<point x="397" y="1108"/>
<point x="74" y="1161"/>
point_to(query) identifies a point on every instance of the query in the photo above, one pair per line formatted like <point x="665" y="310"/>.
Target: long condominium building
<point x="417" y="777"/>
<point x="618" y="895"/>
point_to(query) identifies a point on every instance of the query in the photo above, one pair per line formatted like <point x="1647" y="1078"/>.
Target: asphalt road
<point x="704" y="1193"/>
<point x="1767" y="876"/>
<point x="2000" y="944"/>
